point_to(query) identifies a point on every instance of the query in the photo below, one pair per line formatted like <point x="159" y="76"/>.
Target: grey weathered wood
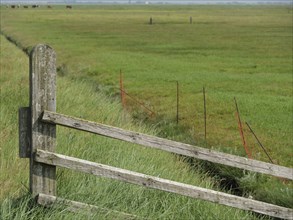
<point x="42" y="97"/>
<point x="162" y="184"/>
<point x="168" y="145"/>
<point x="73" y="206"/>
<point x="24" y="132"/>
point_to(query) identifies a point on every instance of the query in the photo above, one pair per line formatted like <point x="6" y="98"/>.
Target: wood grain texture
<point x="42" y="97"/>
<point x="168" y="145"/>
<point x="162" y="184"/>
<point x="73" y="206"/>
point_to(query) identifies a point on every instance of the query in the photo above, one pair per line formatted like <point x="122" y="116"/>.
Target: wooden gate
<point x="37" y="138"/>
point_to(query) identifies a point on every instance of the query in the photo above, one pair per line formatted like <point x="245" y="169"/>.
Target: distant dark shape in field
<point x="49" y="6"/>
<point x="15" y="6"/>
<point x="35" y="6"/>
<point x="69" y="6"/>
<point x="25" y="6"/>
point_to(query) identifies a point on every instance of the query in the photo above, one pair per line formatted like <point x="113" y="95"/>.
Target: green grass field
<point x="234" y="51"/>
<point x="15" y="201"/>
<point x="243" y="52"/>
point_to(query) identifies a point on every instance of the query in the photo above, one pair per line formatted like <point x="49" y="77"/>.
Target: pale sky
<point x="152" y="1"/>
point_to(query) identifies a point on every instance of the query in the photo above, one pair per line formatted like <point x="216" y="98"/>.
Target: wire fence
<point x="207" y="126"/>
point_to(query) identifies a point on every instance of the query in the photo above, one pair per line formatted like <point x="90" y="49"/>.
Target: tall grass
<point x="235" y="51"/>
<point x="80" y="98"/>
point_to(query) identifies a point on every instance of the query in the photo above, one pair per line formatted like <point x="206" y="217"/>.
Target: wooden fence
<point x="37" y="140"/>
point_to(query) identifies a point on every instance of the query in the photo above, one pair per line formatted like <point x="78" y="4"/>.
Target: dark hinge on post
<point x="24" y="131"/>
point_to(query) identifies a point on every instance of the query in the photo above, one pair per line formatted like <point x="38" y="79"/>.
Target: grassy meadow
<point x="234" y="51"/>
<point x="15" y="201"/>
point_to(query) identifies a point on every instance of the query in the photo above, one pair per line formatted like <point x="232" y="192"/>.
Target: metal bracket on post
<point x="24" y="132"/>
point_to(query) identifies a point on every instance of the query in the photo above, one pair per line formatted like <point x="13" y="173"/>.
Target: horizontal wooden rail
<point x="168" y="145"/>
<point x="162" y="184"/>
<point x="73" y="206"/>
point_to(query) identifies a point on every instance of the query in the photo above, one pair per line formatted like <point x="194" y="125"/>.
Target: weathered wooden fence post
<point x="43" y="135"/>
